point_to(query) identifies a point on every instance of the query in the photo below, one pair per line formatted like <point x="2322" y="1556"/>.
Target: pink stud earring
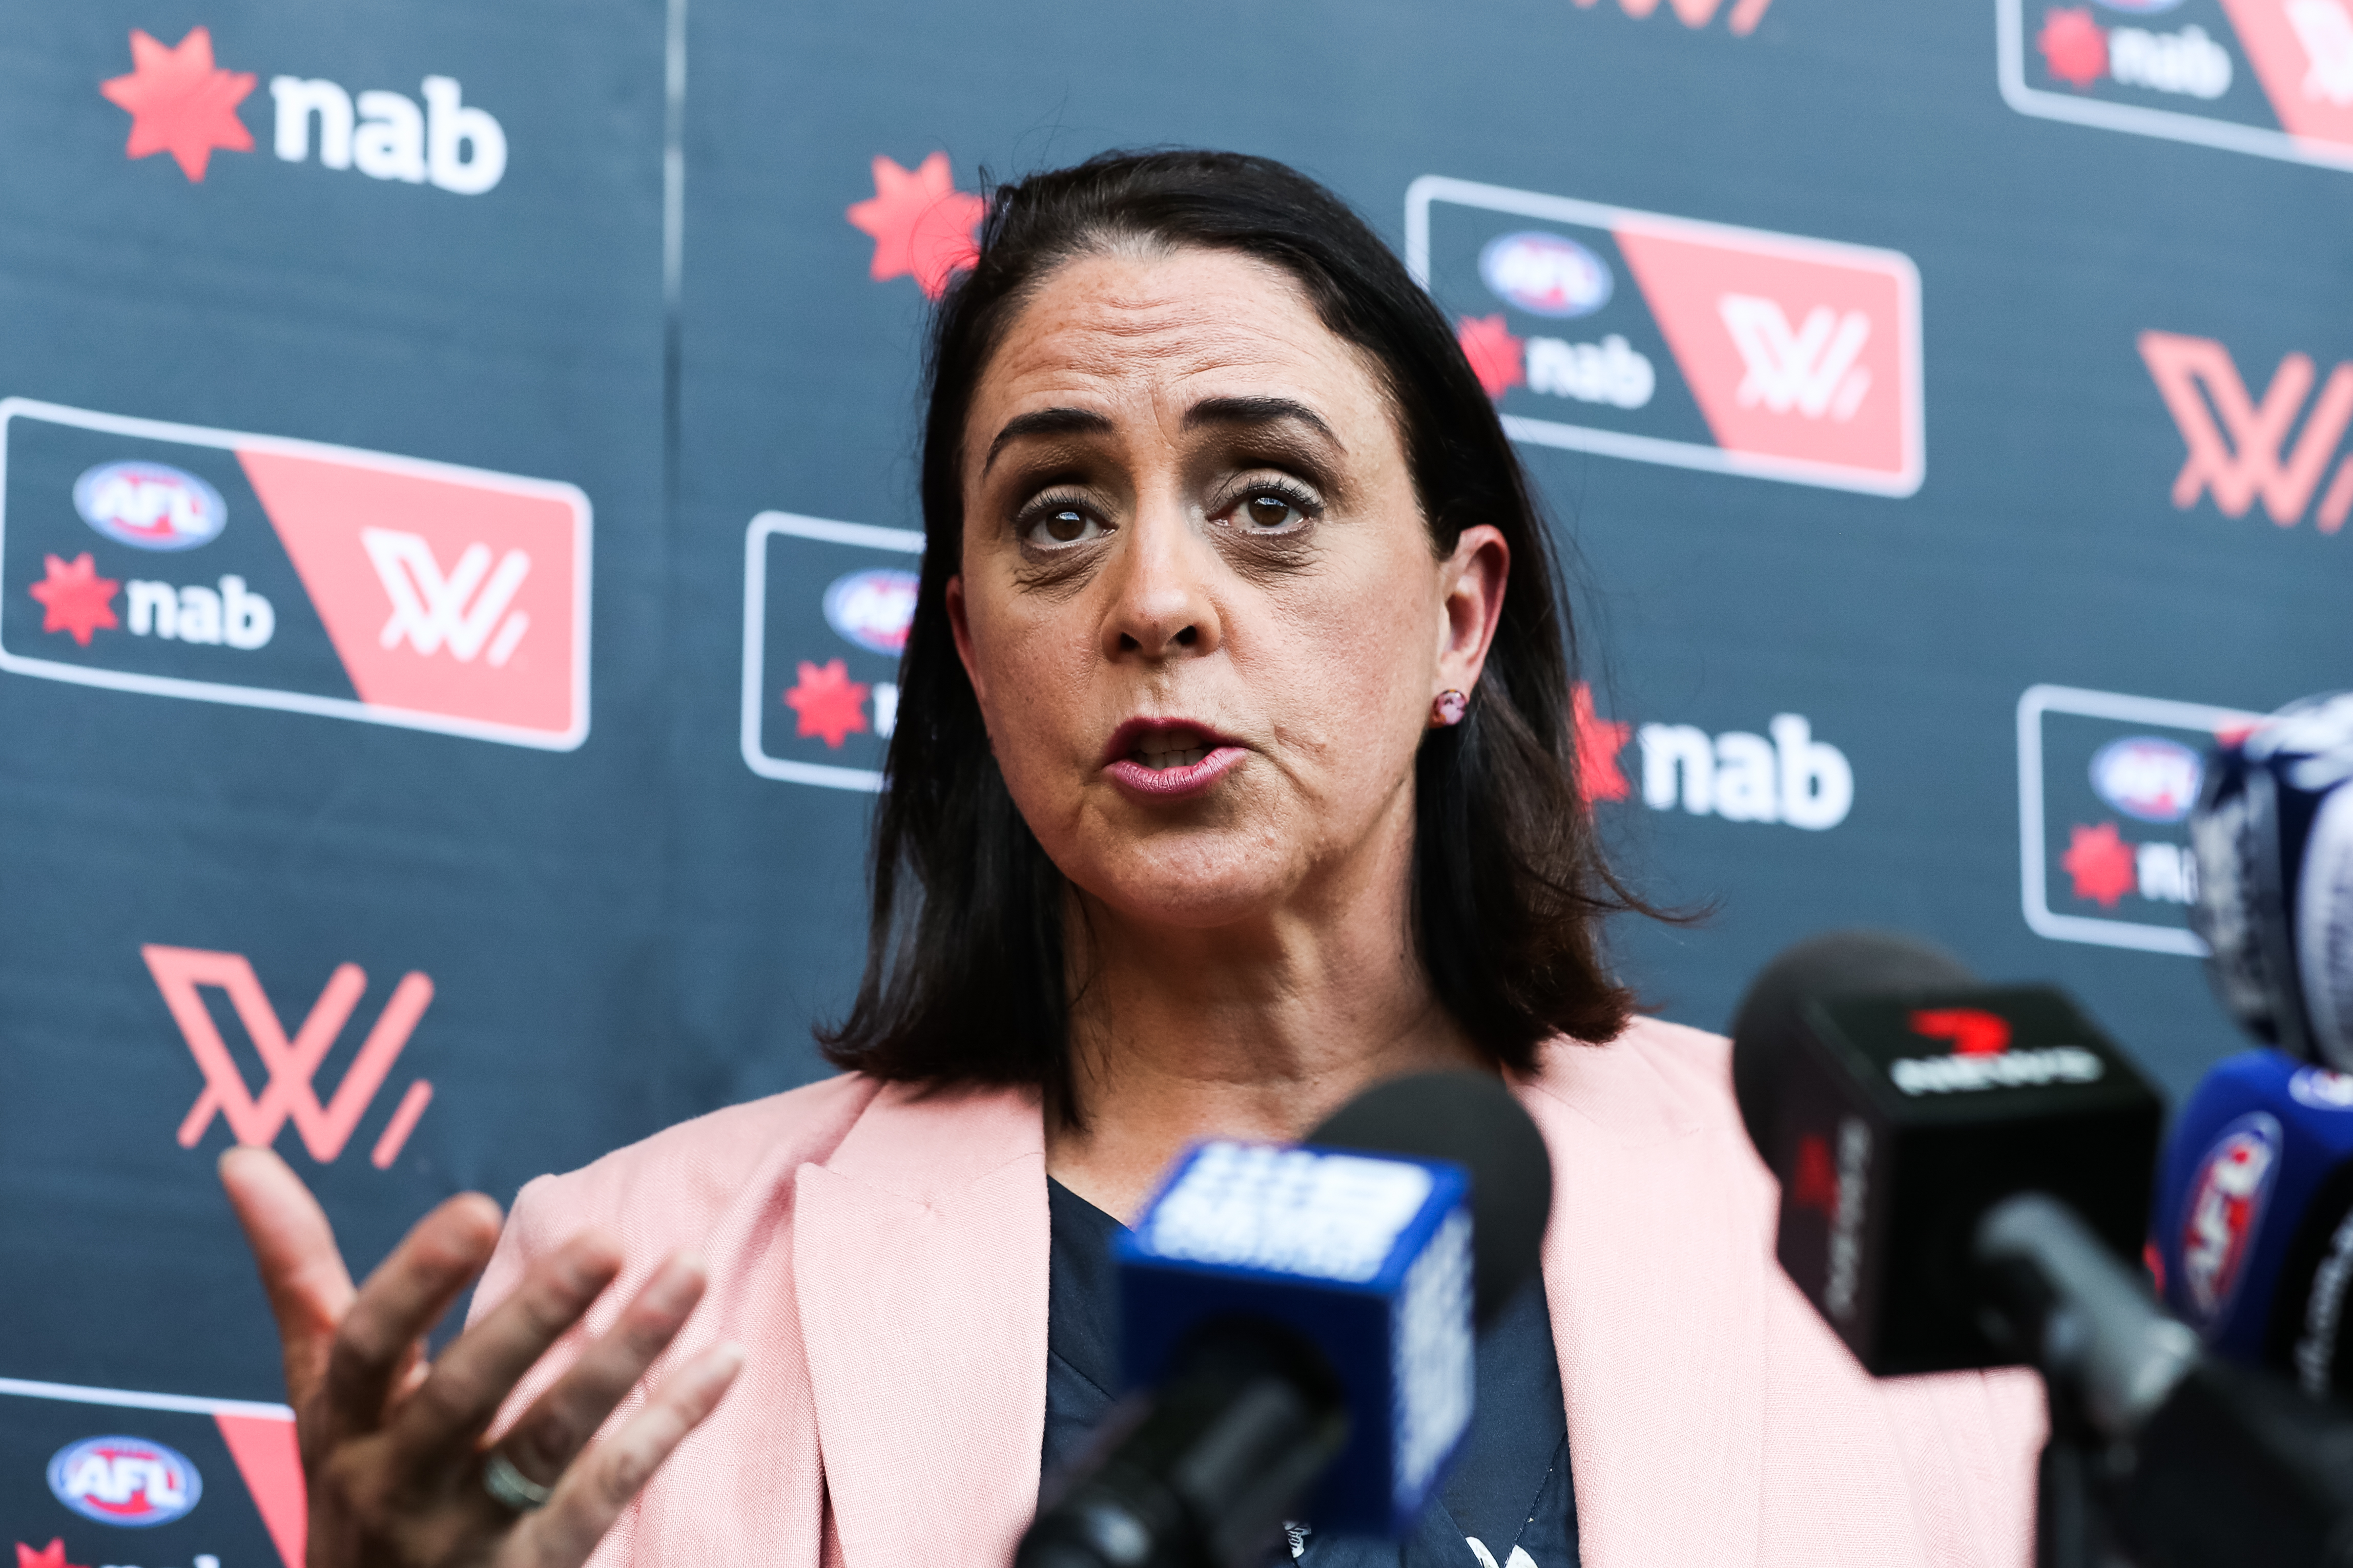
<point x="1448" y="707"/>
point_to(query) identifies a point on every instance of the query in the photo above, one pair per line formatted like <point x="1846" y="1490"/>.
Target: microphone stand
<point x="2159" y="1455"/>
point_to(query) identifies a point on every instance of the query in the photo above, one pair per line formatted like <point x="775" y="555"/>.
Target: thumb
<point x="294" y="1248"/>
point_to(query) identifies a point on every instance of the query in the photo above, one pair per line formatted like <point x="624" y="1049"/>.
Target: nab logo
<point x="2239" y="449"/>
<point x="2225" y="1209"/>
<point x="182" y="974"/>
<point x="353" y="584"/>
<point x="182" y="103"/>
<point x="124" y="1480"/>
<point x="922" y="225"/>
<point x="1734" y="350"/>
<point x="2273" y="78"/>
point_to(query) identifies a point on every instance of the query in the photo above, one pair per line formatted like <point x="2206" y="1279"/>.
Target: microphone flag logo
<point x="2225" y="1211"/>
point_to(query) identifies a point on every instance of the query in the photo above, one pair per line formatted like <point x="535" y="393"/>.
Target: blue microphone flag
<point x="1365" y="1259"/>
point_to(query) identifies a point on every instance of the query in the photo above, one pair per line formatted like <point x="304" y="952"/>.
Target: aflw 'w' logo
<point x="2239" y="448"/>
<point x="1810" y="370"/>
<point x="182" y="972"/>
<point x="431" y="611"/>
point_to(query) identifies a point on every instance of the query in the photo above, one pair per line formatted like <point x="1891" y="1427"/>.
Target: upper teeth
<point x="1164" y="755"/>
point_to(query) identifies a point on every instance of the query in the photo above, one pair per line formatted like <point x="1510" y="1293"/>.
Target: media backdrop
<point x="455" y="538"/>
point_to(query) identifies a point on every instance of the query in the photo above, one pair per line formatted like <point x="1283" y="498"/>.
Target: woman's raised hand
<point x="392" y="1443"/>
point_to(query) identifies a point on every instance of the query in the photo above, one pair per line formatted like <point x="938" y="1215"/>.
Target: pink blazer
<point x="884" y="1257"/>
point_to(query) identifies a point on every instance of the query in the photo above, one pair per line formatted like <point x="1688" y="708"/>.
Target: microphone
<point x="2273" y="835"/>
<point x="1898" y="1100"/>
<point x="1302" y="1319"/>
<point x="2252" y="1235"/>
<point x="1968" y="1185"/>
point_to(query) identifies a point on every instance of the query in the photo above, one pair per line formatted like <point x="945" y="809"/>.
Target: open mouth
<point x="1171" y="749"/>
<point x="1169" y="757"/>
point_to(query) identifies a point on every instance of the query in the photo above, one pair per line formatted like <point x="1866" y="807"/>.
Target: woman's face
<point x="1198" y="602"/>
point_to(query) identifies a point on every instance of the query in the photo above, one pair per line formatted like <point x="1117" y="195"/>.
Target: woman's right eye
<point x="1054" y="527"/>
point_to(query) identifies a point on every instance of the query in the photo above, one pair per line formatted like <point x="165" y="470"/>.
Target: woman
<point x="1233" y="773"/>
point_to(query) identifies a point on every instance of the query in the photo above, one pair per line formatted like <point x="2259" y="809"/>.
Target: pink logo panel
<point x="455" y="596"/>
<point x="1808" y="358"/>
<point x="2303" y="54"/>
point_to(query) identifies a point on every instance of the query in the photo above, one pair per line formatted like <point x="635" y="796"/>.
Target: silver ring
<point x="510" y="1487"/>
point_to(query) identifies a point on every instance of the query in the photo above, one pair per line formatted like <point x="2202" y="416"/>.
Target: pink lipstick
<point x="1168" y="759"/>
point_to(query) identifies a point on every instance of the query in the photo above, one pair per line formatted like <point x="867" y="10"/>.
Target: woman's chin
<point x="1186" y="893"/>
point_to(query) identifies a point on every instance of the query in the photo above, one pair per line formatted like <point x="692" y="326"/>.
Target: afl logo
<point x="2152" y="779"/>
<point x="1545" y="274"/>
<point x="2322" y="1089"/>
<point x="152" y="505"/>
<point x="872" y="608"/>
<point x="2225" y="1211"/>
<point x="124" y="1480"/>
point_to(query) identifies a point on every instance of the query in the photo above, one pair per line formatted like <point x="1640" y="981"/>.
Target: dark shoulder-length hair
<point x="966" y="977"/>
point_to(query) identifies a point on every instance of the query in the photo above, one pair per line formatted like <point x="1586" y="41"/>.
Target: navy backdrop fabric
<point x="1945" y="409"/>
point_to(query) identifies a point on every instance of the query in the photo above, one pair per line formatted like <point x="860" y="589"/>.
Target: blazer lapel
<point x="920" y="1258"/>
<point x="1659" y="1327"/>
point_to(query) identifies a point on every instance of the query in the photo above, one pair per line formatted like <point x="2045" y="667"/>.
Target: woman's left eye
<point x="1270" y="511"/>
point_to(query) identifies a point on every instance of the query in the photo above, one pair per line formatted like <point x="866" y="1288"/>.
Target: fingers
<point x="294" y="1248"/>
<point x="403" y="1299"/>
<point x="462" y="1392"/>
<point x="592" y="1493"/>
<point x="560" y="1423"/>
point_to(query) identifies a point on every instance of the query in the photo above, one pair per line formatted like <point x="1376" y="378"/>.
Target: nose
<point x="1160" y="605"/>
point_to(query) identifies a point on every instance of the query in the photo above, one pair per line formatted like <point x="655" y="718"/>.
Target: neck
<point x="1256" y="1031"/>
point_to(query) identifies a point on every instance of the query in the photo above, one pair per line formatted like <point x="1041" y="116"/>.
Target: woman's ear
<point x="960" y="627"/>
<point x="1470" y="582"/>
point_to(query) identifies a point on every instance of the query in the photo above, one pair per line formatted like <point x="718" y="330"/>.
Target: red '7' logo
<point x="179" y="973"/>
<point x="1973" y="1031"/>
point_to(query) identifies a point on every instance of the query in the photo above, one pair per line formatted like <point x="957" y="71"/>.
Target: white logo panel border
<point x="755" y="628"/>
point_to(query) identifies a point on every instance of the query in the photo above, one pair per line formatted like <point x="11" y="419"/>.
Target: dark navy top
<point x="1508" y="1503"/>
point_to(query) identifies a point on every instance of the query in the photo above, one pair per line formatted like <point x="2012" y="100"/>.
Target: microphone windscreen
<point x="1471" y="1120"/>
<point x="1770" y="1024"/>
<point x="2249" y="1230"/>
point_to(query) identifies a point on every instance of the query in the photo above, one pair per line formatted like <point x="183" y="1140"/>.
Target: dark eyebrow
<point x="1256" y="411"/>
<point x="1045" y="422"/>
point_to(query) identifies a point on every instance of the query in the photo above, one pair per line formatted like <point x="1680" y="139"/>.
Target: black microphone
<point x="1898" y="1100"/>
<point x="1302" y="1322"/>
<point x="1978" y="1207"/>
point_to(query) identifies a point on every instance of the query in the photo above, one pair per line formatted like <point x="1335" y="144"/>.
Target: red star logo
<point x="53" y="1555"/>
<point x="1494" y="352"/>
<point x="1598" y="741"/>
<point x="829" y="703"/>
<point x="2102" y="863"/>
<point x="921" y="223"/>
<point x="75" y="598"/>
<point x="180" y="102"/>
<point x="2073" y="46"/>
